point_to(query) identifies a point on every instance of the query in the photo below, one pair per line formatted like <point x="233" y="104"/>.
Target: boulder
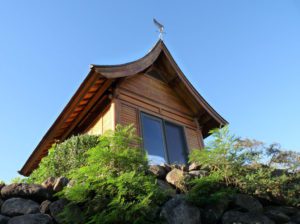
<point x="184" y="167"/>
<point x="44" y="207"/>
<point x="237" y="217"/>
<point x="289" y="211"/>
<point x="60" y="183"/>
<point x="167" y="167"/>
<point x="31" y="219"/>
<point x="296" y="218"/>
<point x="49" y="183"/>
<point x="1" y="185"/>
<point x="19" y="206"/>
<point x="158" y="171"/>
<point x="248" y="203"/>
<point x="32" y="191"/>
<point x="56" y="208"/>
<point x="74" y="212"/>
<point x="198" y="173"/>
<point x="1" y="203"/>
<point x="194" y="166"/>
<point x="167" y="188"/>
<point x="178" y="179"/>
<point x="213" y="213"/>
<point x="3" y="219"/>
<point x="277" y="216"/>
<point x="179" y="211"/>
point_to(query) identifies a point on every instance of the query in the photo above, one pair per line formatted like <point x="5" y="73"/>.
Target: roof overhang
<point x="95" y="88"/>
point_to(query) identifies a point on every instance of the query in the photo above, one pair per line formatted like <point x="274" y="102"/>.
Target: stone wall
<point x="238" y="209"/>
<point x="36" y="204"/>
<point x="32" y="203"/>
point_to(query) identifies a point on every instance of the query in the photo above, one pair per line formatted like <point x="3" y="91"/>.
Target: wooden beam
<point x="88" y="107"/>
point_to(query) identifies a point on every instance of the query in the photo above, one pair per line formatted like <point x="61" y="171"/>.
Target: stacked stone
<point x="36" y="204"/>
<point x="241" y="208"/>
<point x="32" y="203"/>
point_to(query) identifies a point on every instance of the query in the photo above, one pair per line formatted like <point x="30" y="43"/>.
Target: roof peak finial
<point x="160" y="28"/>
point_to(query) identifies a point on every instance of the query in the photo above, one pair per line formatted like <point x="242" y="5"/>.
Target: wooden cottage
<point x="152" y="93"/>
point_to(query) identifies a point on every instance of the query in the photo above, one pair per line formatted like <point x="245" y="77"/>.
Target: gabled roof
<point x="94" y="89"/>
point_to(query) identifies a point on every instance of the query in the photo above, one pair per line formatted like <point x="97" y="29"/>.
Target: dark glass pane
<point x="153" y="139"/>
<point x="175" y="143"/>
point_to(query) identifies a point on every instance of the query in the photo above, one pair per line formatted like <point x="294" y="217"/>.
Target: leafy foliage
<point x="17" y="179"/>
<point x="112" y="186"/>
<point x="248" y="166"/>
<point x="209" y="190"/>
<point x="63" y="157"/>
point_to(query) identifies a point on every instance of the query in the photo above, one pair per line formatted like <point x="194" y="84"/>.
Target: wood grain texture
<point x="143" y="93"/>
<point x="103" y="123"/>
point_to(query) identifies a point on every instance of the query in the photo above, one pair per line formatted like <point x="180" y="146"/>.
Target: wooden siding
<point x="105" y="121"/>
<point x="193" y="138"/>
<point x="150" y="95"/>
<point x="129" y="115"/>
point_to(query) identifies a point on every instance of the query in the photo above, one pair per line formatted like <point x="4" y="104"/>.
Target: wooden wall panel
<point x="155" y="90"/>
<point x="193" y="138"/>
<point x="105" y="121"/>
<point x="147" y="94"/>
<point x="129" y="115"/>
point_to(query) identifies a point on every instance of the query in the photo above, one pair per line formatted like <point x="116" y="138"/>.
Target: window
<point x="163" y="140"/>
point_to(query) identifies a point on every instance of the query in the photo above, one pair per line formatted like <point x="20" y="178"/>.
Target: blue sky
<point x="242" y="56"/>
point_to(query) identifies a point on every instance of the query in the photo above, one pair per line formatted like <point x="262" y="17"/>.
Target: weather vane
<point x="160" y="28"/>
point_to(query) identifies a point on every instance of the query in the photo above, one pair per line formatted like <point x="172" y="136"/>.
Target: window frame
<point x="163" y="122"/>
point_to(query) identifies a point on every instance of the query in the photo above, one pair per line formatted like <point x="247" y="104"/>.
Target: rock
<point x="198" y="173"/>
<point x="178" y="211"/>
<point x="19" y="206"/>
<point x="1" y="203"/>
<point x="236" y="217"/>
<point x="3" y="219"/>
<point x="248" y="203"/>
<point x="32" y="191"/>
<point x="31" y="219"/>
<point x="214" y="212"/>
<point x="296" y="218"/>
<point x="167" y="188"/>
<point x="2" y="185"/>
<point x="178" y="178"/>
<point x="167" y="167"/>
<point x="44" y="207"/>
<point x="158" y="171"/>
<point x="184" y="167"/>
<point x="194" y="166"/>
<point x="49" y="183"/>
<point x="56" y="208"/>
<point x="289" y="211"/>
<point x="277" y="216"/>
<point x="60" y="183"/>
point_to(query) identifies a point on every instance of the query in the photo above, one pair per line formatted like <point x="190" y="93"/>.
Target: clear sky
<point x="242" y="56"/>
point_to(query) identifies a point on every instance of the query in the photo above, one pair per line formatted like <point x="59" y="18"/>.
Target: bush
<point x="209" y="190"/>
<point x="247" y="166"/>
<point x="113" y="186"/>
<point x="64" y="157"/>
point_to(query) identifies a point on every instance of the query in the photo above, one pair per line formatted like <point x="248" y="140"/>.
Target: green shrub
<point x="113" y="186"/>
<point x="247" y="166"/>
<point x="209" y="190"/>
<point x="17" y="180"/>
<point x="63" y="157"/>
